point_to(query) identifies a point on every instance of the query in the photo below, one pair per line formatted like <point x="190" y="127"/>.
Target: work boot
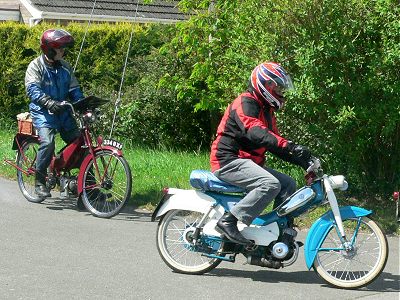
<point x="228" y="226"/>
<point x="41" y="189"/>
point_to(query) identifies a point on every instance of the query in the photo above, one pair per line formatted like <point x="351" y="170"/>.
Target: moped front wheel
<point x="359" y="261"/>
<point x="176" y="245"/>
<point x="107" y="184"/>
<point x="26" y="161"/>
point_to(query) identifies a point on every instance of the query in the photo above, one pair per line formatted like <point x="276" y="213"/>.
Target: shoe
<point x="41" y="189"/>
<point x="228" y="226"/>
<point x="42" y="192"/>
<point x="80" y="205"/>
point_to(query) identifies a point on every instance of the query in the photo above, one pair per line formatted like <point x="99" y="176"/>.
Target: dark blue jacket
<point x="56" y="81"/>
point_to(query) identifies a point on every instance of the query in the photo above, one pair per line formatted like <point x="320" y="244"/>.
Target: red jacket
<point x="247" y="130"/>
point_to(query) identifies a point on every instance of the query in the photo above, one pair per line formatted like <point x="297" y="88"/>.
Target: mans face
<point x="59" y="54"/>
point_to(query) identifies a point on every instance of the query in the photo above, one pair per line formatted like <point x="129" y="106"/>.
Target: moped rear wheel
<point x="107" y="184"/>
<point x="175" y="245"/>
<point x="26" y="161"/>
<point x="361" y="263"/>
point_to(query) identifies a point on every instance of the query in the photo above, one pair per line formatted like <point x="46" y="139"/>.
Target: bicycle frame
<point x="77" y="154"/>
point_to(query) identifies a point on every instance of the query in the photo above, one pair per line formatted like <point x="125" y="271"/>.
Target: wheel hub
<point x="350" y="251"/>
<point x="107" y="184"/>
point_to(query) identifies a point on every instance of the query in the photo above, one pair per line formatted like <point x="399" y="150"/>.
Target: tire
<point x="26" y="160"/>
<point x="357" y="268"/>
<point x="106" y="192"/>
<point x="175" y="248"/>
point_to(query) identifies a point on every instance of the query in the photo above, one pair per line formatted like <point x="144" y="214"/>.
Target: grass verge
<point x="154" y="169"/>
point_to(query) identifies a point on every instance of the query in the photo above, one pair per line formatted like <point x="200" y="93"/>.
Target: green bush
<point x="343" y="55"/>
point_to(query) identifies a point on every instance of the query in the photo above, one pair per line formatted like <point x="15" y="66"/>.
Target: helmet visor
<point x="287" y="85"/>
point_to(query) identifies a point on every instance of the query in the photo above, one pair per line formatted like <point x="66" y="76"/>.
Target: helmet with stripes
<point x="271" y="81"/>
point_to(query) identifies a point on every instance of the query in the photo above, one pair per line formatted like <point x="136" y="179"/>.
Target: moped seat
<point x="206" y="181"/>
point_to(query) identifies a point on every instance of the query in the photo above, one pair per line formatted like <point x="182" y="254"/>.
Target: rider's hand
<point x="301" y="155"/>
<point x="54" y="107"/>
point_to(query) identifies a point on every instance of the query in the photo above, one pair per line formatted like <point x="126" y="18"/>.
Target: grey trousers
<point x="262" y="186"/>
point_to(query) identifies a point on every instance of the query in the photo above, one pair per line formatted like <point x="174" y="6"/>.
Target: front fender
<point x="88" y="158"/>
<point x="321" y="227"/>
<point x="184" y="200"/>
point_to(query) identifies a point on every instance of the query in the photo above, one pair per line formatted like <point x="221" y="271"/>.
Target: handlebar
<point x="315" y="165"/>
<point x="66" y="103"/>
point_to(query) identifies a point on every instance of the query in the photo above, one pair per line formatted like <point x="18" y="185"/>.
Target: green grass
<point x="154" y="169"/>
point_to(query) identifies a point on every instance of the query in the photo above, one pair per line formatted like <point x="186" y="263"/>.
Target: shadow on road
<point x="128" y="213"/>
<point x="386" y="282"/>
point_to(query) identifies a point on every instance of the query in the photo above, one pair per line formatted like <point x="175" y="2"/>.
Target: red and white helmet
<point x="55" y="39"/>
<point x="271" y="81"/>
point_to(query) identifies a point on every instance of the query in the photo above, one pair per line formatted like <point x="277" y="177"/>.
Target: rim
<point x="357" y="263"/>
<point x="177" y="241"/>
<point x="107" y="190"/>
<point x="27" y="163"/>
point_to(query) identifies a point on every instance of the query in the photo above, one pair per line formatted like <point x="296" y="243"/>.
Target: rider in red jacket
<point x="246" y="132"/>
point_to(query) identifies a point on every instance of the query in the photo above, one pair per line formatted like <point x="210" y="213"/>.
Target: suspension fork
<point x="335" y="207"/>
<point x="106" y="165"/>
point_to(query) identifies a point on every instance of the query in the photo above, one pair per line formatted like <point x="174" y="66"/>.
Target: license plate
<point x="112" y="143"/>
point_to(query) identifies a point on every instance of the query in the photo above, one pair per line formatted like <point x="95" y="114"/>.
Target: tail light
<point x="396" y="196"/>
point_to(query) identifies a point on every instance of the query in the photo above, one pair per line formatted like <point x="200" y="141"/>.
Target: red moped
<point x="94" y="171"/>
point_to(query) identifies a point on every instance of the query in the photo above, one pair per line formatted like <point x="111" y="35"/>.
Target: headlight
<point x="89" y="117"/>
<point x="338" y="182"/>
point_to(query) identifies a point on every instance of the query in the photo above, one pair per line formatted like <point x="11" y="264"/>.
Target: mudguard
<point x="20" y="139"/>
<point x="320" y="229"/>
<point x="184" y="200"/>
<point x="88" y="158"/>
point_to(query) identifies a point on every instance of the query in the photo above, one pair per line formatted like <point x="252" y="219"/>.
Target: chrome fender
<point x="321" y="227"/>
<point x="185" y="200"/>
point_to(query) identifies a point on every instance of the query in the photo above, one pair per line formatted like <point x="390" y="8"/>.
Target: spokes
<point x="354" y="263"/>
<point x="26" y="161"/>
<point x="178" y="242"/>
<point x="107" y="184"/>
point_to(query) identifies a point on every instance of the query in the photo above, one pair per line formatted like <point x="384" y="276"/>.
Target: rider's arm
<point x="74" y="91"/>
<point x="33" y="80"/>
<point x="255" y="130"/>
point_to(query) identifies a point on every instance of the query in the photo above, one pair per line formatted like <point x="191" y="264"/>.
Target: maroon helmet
<point x="55" y="39"/>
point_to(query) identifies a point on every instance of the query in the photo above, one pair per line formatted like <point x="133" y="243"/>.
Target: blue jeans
<point x="47" y="146"/>
<point x="262" y="185"/>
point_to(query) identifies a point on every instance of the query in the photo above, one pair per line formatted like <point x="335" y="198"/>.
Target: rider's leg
<point x="43" y="159"/>
<point x="262" y="188"/>
<point x="288" y="186"/>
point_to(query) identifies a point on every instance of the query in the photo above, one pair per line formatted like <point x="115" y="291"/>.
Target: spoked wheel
<point x="361" y="263"/>
<point x="107" y="184"/>
<point x="175" y="243"/>
<point x="26" y="161"/>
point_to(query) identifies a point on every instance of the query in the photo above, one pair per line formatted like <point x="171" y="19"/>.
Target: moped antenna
<point x="84" y="37"/>
<point x="124" y="70"/>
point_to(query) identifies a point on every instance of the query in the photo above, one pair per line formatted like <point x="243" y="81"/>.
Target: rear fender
<point x="192" y="200"/>
<point x="88" y="158"/>
<point x="321" y="227"/>
<point x="21" y="139"/>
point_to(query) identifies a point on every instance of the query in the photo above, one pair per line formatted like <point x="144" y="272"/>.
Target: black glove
<point x="301" y="155"/>
<point x="54" y="107"/>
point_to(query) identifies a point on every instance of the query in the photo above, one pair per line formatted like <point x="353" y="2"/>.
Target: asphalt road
<point x="53" y="251"/>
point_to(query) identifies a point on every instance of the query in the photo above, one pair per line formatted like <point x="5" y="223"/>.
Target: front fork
<point x="336" y="212"/>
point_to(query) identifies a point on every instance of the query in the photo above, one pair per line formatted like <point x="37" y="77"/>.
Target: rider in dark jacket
<point x="246" y="132"/>
<point x="49" y="80"/>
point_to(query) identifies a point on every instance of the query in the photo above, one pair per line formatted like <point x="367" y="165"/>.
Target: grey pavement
<point x="53" y="251"/>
